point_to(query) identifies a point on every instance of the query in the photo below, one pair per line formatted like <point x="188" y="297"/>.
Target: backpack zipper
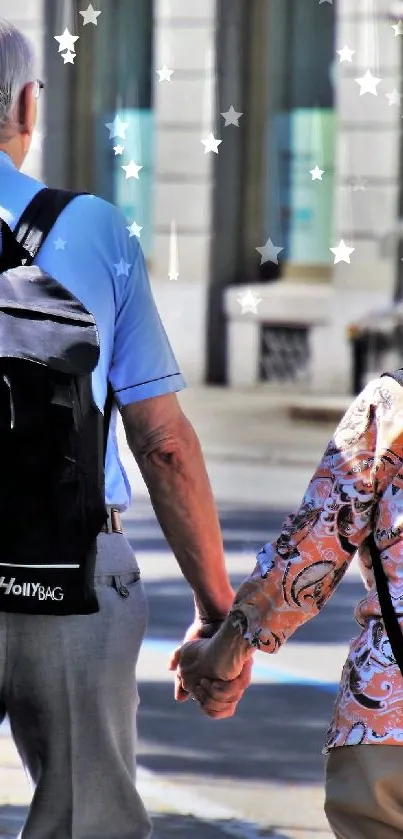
<point x="12" y="408"/>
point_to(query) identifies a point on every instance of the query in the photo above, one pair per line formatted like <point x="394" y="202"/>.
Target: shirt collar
<point x="5" y="160"/>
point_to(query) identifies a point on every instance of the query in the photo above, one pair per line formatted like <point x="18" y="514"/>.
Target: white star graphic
<point x="368" y="83"/>
<point x="325" y="1"/>
<point x="342" y="252"/>
<point x="269" y="252"/>
<point x="118" y="149"/>
<point x="398" y="28"/>
<point x="66" y="41"/>
<point x="117" y="128"/>
<point x="132" y="170"/>
<point x="211" y="144"/>
<point x="173" y="275"/>
<point x="122" y="268"/>
<point x="59" y="244"/>
<point x="164" y="74"/>
<point x="232" y="117"/>
<point x="69" y="57"/>
<point x="134" y="230"/>
<point x="317" y="173"/>
<point x="90" y="16"/>
<point x="394" y="97"/>
<point x="249" y="301"/>
<point x="346" y="54"/>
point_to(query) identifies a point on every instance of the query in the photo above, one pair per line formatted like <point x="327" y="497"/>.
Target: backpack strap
<point x="28" y="237"/>
<point x="39" y="217"/>
<point x="23" y="244"/>
<point x="12" y="254"/>
<point x="110" y="398"/>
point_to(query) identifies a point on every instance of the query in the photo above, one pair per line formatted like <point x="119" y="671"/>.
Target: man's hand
<point x="200" y="628"/>
<point x="216" y="682"/>
<point x="219" y="699"/>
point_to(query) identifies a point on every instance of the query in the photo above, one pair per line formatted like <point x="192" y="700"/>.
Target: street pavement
<point x="261" y="773"/>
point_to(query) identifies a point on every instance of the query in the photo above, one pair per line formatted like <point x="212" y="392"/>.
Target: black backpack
<point x="389" y="617"/>
<point x="52" y="435"/>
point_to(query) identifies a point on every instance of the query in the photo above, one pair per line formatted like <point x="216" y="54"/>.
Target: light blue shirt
<point x="90" y="251"/>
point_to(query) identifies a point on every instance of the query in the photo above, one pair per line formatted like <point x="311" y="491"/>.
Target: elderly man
<point x="354" y="502"/>
<point x="67" y="683"/>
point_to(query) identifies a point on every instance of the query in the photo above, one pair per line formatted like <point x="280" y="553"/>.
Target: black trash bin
<point x="376" y="343"/>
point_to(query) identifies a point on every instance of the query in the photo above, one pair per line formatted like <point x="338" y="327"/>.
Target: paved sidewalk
<point x="259" y="425"/>
<point x="256" y="454"/>
<point x="179" y="810"/>
<point x="176" y="810"/>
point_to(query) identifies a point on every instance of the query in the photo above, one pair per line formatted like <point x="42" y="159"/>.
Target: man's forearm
<point x="180" y="492"/>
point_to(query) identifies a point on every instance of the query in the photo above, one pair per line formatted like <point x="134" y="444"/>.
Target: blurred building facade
<point x="204" y="215"/>
<point x="114" y="73"/>
<point x="315" y="116"/>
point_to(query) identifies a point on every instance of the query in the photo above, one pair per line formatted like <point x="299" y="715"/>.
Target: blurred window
<point x="111" y="76"/>
<point x="300" y="129"/>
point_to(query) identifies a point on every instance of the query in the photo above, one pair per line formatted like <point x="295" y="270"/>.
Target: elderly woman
<point x="354" y="496"/>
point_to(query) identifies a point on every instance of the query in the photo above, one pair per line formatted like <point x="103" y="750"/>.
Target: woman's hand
<point x="216" y="671"/>
<point x="200" y="628"/>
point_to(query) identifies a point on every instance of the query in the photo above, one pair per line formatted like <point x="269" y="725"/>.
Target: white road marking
<point x="181" y="801"/>
<point x="171" y="798"/>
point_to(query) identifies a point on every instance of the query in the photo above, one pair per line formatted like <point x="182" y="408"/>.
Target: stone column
<point x="184" y="37"/>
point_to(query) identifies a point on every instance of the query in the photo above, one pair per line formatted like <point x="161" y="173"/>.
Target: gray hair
<point x="17" y="68"/>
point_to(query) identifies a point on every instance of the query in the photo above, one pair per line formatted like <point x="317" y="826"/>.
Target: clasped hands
<point x="210" y="670"/>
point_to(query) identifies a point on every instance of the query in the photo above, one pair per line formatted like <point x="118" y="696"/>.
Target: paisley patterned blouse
<point x="357" y="486"/>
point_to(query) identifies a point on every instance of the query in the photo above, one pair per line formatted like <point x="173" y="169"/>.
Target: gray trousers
<point x="68" y="686"/>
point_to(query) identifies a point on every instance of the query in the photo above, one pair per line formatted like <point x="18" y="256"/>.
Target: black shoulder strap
<point x="39" y="217"/>
<point x="397" y="375"/>
<point x="389" y="616"/>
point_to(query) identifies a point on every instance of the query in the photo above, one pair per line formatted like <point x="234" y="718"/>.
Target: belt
<point x="120" y="581"/>
<point x="113" y="523"/>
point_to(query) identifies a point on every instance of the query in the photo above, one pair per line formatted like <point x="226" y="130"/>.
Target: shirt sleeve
<point x="295" y="575"/>
<point x="143" y="363"/>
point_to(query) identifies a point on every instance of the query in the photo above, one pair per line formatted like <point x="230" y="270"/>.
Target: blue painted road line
<point x="263" y="672"/>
